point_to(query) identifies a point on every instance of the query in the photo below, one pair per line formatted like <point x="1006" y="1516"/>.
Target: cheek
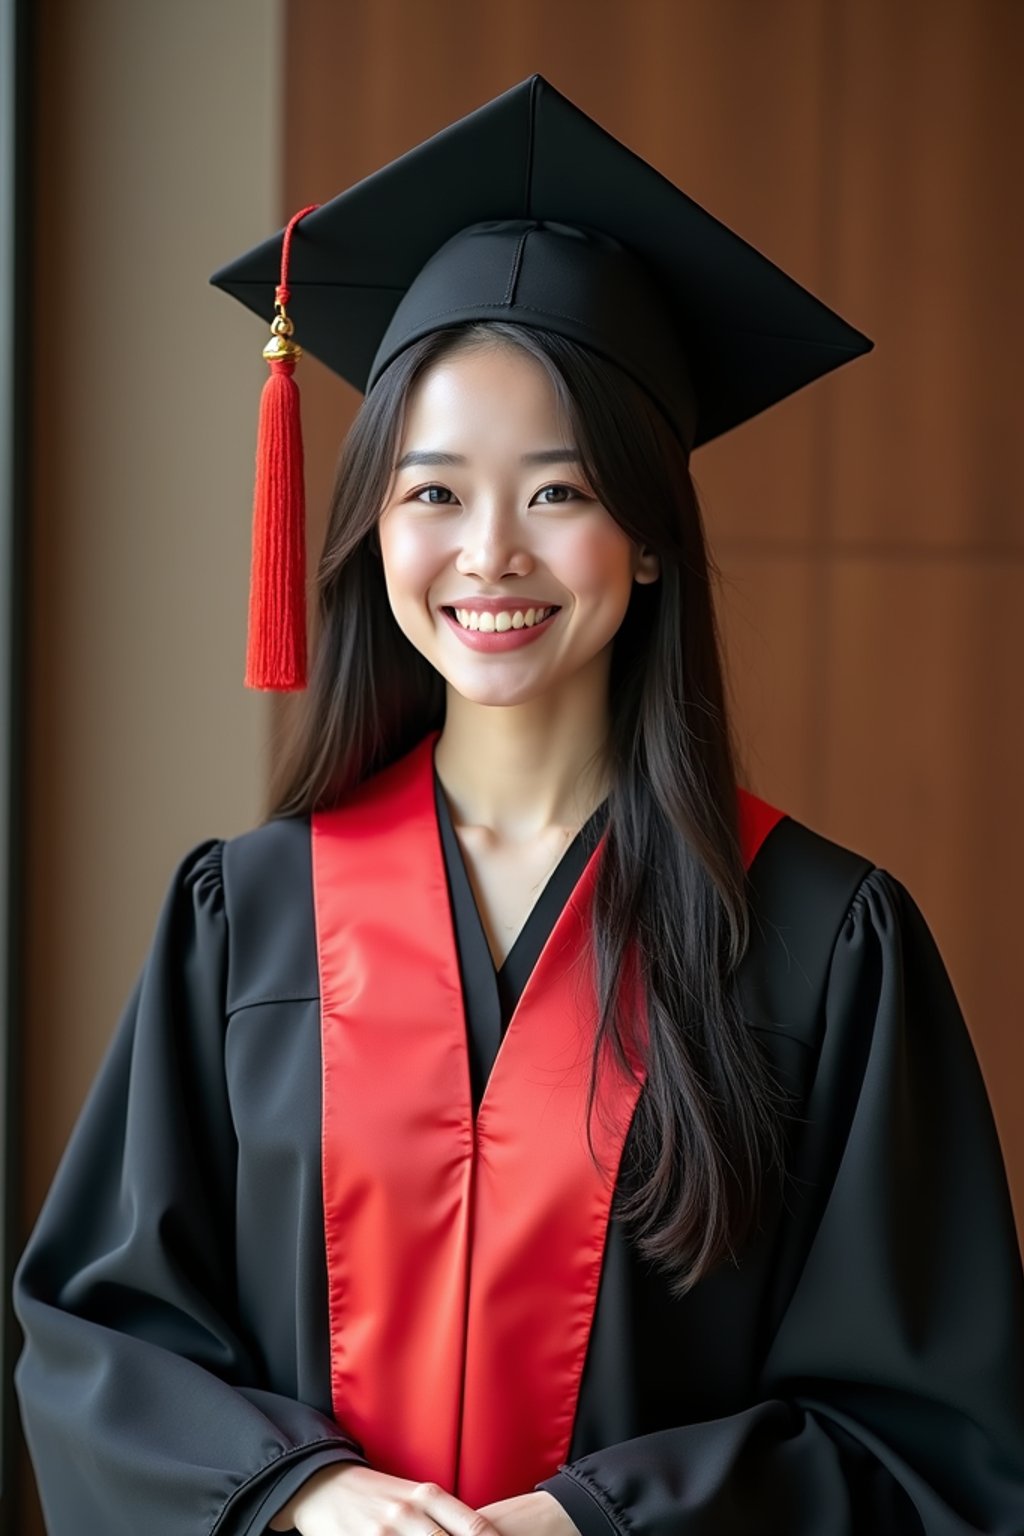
<point x="596" y="561"/>
<point x="410" y="558"/>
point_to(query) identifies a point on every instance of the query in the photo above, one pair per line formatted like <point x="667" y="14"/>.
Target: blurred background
<point x="869" y="531"/>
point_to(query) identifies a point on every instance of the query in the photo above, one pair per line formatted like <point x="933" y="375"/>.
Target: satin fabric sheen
<point x="463" y="1255"/>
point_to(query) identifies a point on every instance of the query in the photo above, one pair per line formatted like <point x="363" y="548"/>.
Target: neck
<point x="522" y="770"/>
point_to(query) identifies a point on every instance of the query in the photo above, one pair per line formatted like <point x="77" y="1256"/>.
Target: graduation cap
<point x="525" y="210"/>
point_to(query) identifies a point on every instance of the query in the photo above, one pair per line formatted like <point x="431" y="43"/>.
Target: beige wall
<point x="158" y="137"/>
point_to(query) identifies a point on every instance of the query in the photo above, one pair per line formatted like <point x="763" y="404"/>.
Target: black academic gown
<point x="860" y="1371"/>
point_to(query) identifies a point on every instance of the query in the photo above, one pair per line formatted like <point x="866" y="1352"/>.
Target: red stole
<point x="463" y="1258"/>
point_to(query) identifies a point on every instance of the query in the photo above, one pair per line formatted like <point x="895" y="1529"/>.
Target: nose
<point x="493" y="543"/>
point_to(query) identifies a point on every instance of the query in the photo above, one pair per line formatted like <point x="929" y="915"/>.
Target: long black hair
<point x="707" y="1131"/>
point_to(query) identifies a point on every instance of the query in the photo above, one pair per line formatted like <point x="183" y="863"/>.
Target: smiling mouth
<point x="489" y="622"/>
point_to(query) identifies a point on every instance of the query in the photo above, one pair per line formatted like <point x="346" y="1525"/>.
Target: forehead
<point x="493" y="394"/>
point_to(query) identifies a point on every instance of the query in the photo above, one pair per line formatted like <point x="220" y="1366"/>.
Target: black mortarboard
<point x="528" y="210"/>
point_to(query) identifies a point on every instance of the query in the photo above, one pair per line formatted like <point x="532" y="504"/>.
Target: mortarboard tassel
<point x="276" y="657"/>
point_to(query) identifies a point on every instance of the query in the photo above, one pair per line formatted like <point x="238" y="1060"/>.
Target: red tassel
<point x="277" y="593"/>
<point x="276" y="655"/>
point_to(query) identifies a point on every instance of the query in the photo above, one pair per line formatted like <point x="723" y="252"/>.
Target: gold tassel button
<point x="280" y="347"/>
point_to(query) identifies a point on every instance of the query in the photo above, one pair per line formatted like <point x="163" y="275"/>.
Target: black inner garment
<point x="490" y="995"/>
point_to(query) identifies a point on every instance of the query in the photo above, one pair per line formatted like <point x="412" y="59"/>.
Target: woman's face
<point x="488" y="513"/>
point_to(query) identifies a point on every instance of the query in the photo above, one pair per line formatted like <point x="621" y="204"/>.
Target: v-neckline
<point x="491" y="995"/>
<point x="571" y="861"/>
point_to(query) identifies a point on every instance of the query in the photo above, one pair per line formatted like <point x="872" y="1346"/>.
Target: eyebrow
<point x="543" y="456"/>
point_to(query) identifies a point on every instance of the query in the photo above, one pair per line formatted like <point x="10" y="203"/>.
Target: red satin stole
<point x="463" y="1258"/>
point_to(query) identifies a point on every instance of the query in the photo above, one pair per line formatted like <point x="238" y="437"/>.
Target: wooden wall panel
<point x="924" y="758"/>
<point x="771" y="659"/>
<point x="929" y="243"/>
<point x="870" y="530"/>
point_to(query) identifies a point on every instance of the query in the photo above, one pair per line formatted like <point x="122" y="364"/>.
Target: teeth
<point x="490" y="623"/>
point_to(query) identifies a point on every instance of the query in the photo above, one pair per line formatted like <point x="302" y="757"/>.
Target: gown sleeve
<point x="142" y="1400"/>
<point x="891" y="1398"/>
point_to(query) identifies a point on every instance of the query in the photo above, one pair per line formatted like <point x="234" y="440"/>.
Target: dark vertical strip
<point x="16" y="55"/>
<point x="513" y="276"/>
<point x="822" y="559"/>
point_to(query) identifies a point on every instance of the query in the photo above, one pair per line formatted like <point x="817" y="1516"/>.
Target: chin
<point x="493" y="700"/>
<point x="494" y="697"/>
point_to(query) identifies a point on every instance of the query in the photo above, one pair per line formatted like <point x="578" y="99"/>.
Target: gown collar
<point x="492" y="992"/>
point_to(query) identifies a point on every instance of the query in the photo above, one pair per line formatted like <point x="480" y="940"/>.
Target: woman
<point x="527" y="1128"/>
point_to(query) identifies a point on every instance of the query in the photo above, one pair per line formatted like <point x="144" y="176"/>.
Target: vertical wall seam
<point x="823" y="512"/>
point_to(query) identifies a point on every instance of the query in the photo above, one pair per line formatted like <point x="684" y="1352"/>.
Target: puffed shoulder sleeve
<point x="891" y="1396"/>
<point x="141" y="1398"/>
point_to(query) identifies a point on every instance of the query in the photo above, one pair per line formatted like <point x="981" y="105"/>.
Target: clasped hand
<point x="353" y="1500"/>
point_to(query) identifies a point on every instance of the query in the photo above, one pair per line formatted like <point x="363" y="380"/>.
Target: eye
<point x="436" y="501"/>
<point x="570" y="494"/>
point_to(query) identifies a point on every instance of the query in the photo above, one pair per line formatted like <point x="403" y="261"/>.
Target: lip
<point x="509" y="640"/>
<point x="499" y="604"/>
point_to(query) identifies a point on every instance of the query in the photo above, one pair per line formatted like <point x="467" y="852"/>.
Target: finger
<point x="449" y="1513"/>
